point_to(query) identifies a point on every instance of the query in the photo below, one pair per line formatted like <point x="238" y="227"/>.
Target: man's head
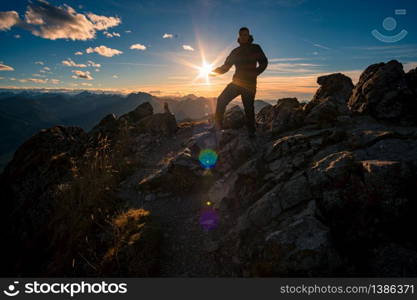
<point x="244" y="36"/>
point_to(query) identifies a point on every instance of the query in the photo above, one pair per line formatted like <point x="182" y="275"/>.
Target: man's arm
<point x="262" y="60"/>
<point x="226" y="66"/>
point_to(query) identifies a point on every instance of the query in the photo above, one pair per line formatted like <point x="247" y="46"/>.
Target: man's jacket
<point x="245" y="58"/>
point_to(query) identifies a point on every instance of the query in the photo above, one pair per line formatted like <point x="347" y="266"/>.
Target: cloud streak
<point x="6" y="68"/>
<point x="70" y="63"/>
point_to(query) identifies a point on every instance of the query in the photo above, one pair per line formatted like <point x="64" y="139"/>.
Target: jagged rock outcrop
<point x="287" y="114"/>
<point x="385" y="92"/>
<point x="140" y="112"/>
<point x="330" y="100"/>
<point x="337" y="86"/>
<point x="140" y="120"/>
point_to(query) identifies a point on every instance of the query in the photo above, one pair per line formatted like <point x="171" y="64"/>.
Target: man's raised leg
<point x="229" y="93"/>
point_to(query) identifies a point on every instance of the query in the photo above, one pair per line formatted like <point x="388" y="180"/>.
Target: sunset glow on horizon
<point x="168" y="48"/>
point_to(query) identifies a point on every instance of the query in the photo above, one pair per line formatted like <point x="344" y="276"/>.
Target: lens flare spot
<point x="208" y="158"/>
<point x="209" y="219"/>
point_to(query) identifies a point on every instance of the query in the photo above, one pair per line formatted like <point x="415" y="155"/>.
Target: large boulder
<point x="330" y="100"/>
<point x="337" y="86"/>
<point x="234" y="118"/>
<point x="384" y="92"/>
<point x="286" y="115"/>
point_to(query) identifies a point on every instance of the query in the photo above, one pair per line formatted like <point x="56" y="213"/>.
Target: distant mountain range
<point x="24" y="113"/>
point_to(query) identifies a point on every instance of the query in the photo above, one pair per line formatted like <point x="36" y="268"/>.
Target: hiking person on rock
<point x="245" y="58"/>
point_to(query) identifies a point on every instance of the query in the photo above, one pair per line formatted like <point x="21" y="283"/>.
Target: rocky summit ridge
<point x="327" y="188"/>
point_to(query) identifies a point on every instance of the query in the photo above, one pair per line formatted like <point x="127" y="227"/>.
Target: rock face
<point x="385" y="92"/>
<point x="337" y="86"/>
<point x="234" y="118"/>
<point x="142" y="111"/>
<point x="31" y="182"/>
<point x="162" y="123"/>
<point x="325" y="189"/>
<point x="179" y="176"/>
<point x="330" y="100"/>
<point x="301" y="247"/>
<point x="287" y="114"/>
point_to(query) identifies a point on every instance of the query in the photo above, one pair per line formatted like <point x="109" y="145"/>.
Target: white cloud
<point x="138" y="47"/>
<point x="37" y="80"/>
<point x="115" y="76"/>
<point x="167" y="36"/>
<point x="17" y="36"/>
<point x="78" y="53"/>
<point x="57" y="22"/>
<point x="187" y="47"/>
<point x="47" y="68"/>
<point x="70" y="63"/>
<point x="103" y="22"/>
<point x="128" y="31"/>
<point x="82" y="74"/>
<point x="5" y="68"/>
<point x="39" y="63"/>
<point x="93" y="64"/>
<point x="8" y="19"/>
<point x="86" y="84"/>
<point x="110" y="35"/>
<point x="104" y="51"/>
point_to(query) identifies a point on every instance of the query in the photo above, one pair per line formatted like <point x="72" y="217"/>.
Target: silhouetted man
<point x="245" y="58"/>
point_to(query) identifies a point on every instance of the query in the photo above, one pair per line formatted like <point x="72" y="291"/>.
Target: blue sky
<point x="302" y="40"/>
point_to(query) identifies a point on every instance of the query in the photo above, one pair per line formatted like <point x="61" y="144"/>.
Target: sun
<point x="204" y="70"/>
